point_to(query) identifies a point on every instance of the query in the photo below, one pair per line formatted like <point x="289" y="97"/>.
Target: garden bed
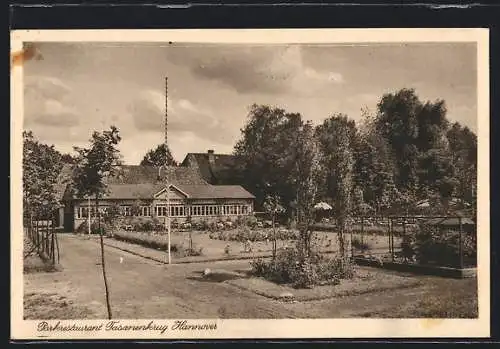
<point x="364" y="281"/>
<point x="435" y="270"/>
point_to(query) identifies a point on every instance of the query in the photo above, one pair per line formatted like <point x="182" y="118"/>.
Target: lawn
<point x="365" y="280"/>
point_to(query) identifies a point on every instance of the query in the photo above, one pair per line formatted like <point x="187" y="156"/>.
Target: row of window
<point x="175" y="210"/>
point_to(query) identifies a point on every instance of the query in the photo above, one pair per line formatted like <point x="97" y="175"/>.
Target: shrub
<point x="430" y="245"/>
<point x="250" y="221"/>
<point x="408" y="247"/>
<point x="360" y="245"/>
<point x="244" y="234"/>
<point x="159" y="242"/>
<point x="94" y="228"/>
<point x="290" y="267"/>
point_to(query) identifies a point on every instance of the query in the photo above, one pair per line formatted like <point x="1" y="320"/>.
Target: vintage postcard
<point x="211" y="184"/>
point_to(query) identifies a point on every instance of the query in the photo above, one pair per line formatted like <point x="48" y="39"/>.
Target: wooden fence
<point x="43" y="237"/>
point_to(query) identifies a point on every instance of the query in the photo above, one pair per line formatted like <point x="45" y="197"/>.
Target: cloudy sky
<point x="76" y="88"/>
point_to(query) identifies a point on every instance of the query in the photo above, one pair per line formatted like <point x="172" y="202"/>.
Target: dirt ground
<point x="141" y="288"/>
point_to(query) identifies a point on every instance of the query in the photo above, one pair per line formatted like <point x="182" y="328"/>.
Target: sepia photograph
<point x="176" y="185"/>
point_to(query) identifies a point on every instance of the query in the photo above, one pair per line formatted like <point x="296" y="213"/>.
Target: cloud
<point x="47" y="102"/>
<point x="46" y="87"/>
<point x="147" y="112"/>
<point x="54" y="113"/>
<point x="266" y="70"/>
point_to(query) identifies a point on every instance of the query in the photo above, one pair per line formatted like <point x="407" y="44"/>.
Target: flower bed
<point x="156" y="241"/>
<point x="246" y="234"/>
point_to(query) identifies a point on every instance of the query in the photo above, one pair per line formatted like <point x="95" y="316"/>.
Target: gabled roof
<point x="147" y="191"/>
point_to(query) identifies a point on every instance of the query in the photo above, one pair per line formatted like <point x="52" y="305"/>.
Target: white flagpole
<point x="168" y="221"/>
<point x="88" y="214"/>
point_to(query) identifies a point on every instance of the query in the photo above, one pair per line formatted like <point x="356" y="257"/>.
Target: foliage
<point x="95" y="227"/>
<point x="41" y="167"/>
<point x="430" y="245"/>
<point x="337" y="139"/>
<point x="289" y="268"/>
<point x="142" y="224"/>
<point x="265" y="152"/>
<point x="358" y="244"/>
<point x="244" y="234"/>
<point x="96" y="163"/>
<point x="159" y="242"/>
<point x="308" y="176"/>
<point x="160" y="156"/>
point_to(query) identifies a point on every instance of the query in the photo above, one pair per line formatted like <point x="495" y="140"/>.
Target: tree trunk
<point x="103" y="262"/>
<point x="341" y="238"/>
<point x="274" y="238"/>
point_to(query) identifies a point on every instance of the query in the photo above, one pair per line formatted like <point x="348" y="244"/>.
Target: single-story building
<point x="182" y="189"/>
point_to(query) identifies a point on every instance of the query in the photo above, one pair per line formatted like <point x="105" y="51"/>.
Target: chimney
<point x="211" y="157"/>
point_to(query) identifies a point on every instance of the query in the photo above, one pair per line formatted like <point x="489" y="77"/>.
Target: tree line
<point x="403" y="152"/>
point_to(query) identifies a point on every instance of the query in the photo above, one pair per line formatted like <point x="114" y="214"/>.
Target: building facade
<point x="178" y="192"/>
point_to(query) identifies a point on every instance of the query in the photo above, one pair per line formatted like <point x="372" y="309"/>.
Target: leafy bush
<point x="408" y="247"/>
<point x="244" y="234"/>
<point x="94" y="228"/>
<point x="360" y="245"/>
<point x="143" y="224"/>
<point x="290" y="267"/>
<point x="250" y="221"/>
<point x="430" y="245"/>
<point x="159" y="242"/>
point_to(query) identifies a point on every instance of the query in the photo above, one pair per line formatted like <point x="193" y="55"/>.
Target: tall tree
<point x="308" y="175"/>
<point x="265" y="152"/>
<point x="41" y="167"/>
<point x="336" y="142"/>
<point x="94" y="165"/>
<point x="374" y="167"/>
<point x="463" y="148"/>
<point x="159" y="156"/>
<point x="397" y="122"/>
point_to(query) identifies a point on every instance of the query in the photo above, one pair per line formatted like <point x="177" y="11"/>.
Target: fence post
<point x="389" y="233"/>
<point x="37" y="237"/>
<point x="362" y="229"/>
<point x="460" y="248"/>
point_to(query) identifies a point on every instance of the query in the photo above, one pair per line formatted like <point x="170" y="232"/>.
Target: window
<point x="145" y="211"/>
<point x="161" y="211"/>
<point x="126" y="210"/>
<point x="244" y="209"/>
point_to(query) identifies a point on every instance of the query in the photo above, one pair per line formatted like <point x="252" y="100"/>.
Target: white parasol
<point x="322" y="206"/>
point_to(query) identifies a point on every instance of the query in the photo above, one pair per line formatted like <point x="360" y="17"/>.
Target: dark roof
<point x="133" y="174"/>
<point x="223" y="169"/>
<point x="215" y="192"/>
<point x="133" y="191"/>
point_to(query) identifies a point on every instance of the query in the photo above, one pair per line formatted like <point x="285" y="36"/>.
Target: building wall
<point x="181" y="210"/>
